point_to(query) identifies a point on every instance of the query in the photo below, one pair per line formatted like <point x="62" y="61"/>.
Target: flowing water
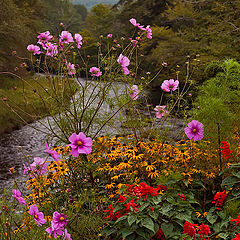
<point x="15" y="146"/>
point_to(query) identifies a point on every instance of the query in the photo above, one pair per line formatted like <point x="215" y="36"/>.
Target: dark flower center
<point x="38" y="167"/>
<point x="194" y="130"/>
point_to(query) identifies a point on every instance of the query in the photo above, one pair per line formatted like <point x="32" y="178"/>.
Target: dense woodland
<point x="181" y="29"/>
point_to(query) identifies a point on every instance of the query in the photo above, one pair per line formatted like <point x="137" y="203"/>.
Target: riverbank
<point x="21" y="103"/>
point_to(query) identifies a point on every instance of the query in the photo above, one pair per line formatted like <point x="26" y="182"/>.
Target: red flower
<point x="237" y="236"/>
<point x="112" y="216"/>
<point x="129" y="205"/>
<point x="219" y="199"/>
<point x="181" y="196"/>
<point x="122" y="199"/>
<point x="159" y="235"/>
<point x="227" y="153"/>
<point x="203" y="230"/>
<point x="189" y="229"/>
<point x="237" y="220"/>
<point x="161" y="188"/>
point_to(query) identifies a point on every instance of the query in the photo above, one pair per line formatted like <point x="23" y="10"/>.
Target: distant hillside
<point x="90" y="3"/>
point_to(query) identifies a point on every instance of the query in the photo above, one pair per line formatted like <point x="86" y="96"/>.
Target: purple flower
<point x="66" y="37"/>
<point x="109" y="35"/>
<point x="80" y="144"/>
<point x="95" y="71"/>
<point x="71" y="69"/>
<point x="54" y="154"/>
<point x="37" y="216"/>
<point x="52" y="49"/>
<point x="134" y="92"/>
<point x="55" y="229"/>
<point x="161" y="111"/>
<point x="194" y="130"/>
<point x="78" y="39"/>
<point x="44" y="37"/>
<point x="135" y="24"/>
<point x="39" y="166"/>
<point x="169" y="85"/>
<point x="124" y="62"/>
<point x="67" y="235"/>
<point x="60" y="220"/>
<point x="149" y="32"/>
<point x="17" y="196"/>
<point x="33" y="49"/>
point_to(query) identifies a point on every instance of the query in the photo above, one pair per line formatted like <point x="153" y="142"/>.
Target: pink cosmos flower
<point x="54" y="154"/>
<point x="95" y="71"/>
<point x="26" y="170"/>
<point x="134" y="42"/>
<point x="124" y="62"/>
<point x="44" y="37"/>
<point x="52" y="49"/>
<point x="17" y="196"/>
<point x="149" y="32"/>
<point x="71" y="69"/>
<point x="60" y="220"/>
<point x="80" y="144"/>
<point x="66" y="37"/>
<point x="78" y="39"/>
<point x="55" y="229"/>
<point x="37" y="216"/>
<point x="161" y="111"/>
<point x="135" y="24"/>
<point x="194" y="130"/>
<point x="67" y="235"/>
<point x="39" y="166"/>
<point x="134" y="92"/>
<point x="109" y="35"/>
<point x="169" y="85"/>
<point x="33" y="49"/>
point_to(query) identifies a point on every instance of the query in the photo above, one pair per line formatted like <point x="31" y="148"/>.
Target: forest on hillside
<point x="90" y="3"/>
<point x="182" y="30"/>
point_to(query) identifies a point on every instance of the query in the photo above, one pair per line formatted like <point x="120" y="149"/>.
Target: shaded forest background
<point x="182" y="29"/>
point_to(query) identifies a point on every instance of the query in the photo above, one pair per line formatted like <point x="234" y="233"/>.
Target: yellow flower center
<point x="194" y="130"/>
<point x="36" y="216"/>
<point x="79" y="143"/>
<point x="62" y="218"/>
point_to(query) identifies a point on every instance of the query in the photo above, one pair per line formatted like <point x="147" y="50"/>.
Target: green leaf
<point x="166" y="208"/>
<point x="157" y="199"/>
<point x="229" y="181"/>
<point x="120" y="219"/>
<point x="143" y="207"/>
<point x="108" y="231"/>
<point x="167" y="229"/>
<point x="131" y="219"/>
<point x="223" y="235"/>
<point x="184" y="216"/>
<point x="154" y="215"/>
<point x="125" y="232"/>
<point x="211" y="217"/>
<point x="236" y="174"/>
<point x="148" y="223"/>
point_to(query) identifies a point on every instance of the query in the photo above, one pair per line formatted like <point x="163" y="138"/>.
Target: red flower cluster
<point x="203" y="230"/>
<point x="181" y="196"/>
<point x="237" y="220"/>
<point x="159" y="235"/>
<point x="237" y="236"/>
<point x="144" y="190"/>
<point x="189" y="229"/>
<point x="219" y="199"/>
<point x="227" y="153"/>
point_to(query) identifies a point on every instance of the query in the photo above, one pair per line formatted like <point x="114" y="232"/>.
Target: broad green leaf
<point x="131" y="219"/>
<point x="167" y="229"/>
<point x="211" y="217"/>
<point x="148" y="223"/>
<point x="223" y="235"/>
<point x="125" y="232"/>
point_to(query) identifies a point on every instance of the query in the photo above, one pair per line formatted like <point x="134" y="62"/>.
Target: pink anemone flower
<point x="80" y="144"/>
<point x="133" y="21"/>
<point x="78" y="39"/>
<point x="124" y="62"/>
<point x="55" y="229"/>
<point x="17" y="196"/>
<point x="95" y="71"/>
<point x="66" y="37"/>
<point x="161" y="111"/>
<point x="39" y="166"/>
<point x="52" y="49"/>
<point x="60" y="219"/>
<point x="134" y="92"/>
<point x="149" y="32"/>
<point x="194" y="130"/>
<point x="109" y="35"/>
<point x="37" y="216"/>
<point x="54" y="154"/>
<point x="33" y="49"/>
<point x="44" y="37"/>
<point x="169" y="85"/>
<point x="71" y="69"/>
<point x="67" y="235"/>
